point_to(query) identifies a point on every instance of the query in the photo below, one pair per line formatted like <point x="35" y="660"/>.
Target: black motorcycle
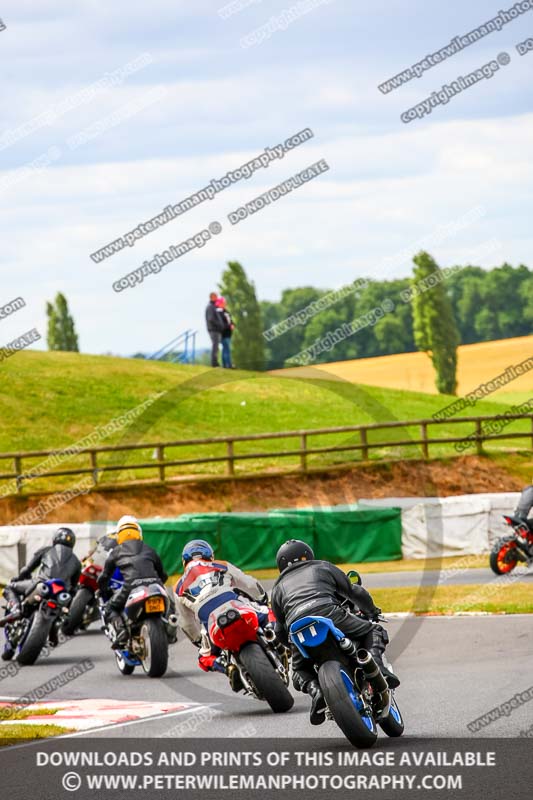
<point x="509" y="550"/>
<point x="38" y="620"/>
<point x="149" y="627"/>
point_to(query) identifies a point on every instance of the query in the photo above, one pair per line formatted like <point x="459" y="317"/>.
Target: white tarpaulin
<point x="454" y="526"/>
<point x="446" y="526"/>
<point x="36" y="536"/>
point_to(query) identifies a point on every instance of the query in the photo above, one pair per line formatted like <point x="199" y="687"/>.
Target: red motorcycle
<point x="84" y="607"/>
<point x="249" y="645"/>
<point x="509" y="550"/>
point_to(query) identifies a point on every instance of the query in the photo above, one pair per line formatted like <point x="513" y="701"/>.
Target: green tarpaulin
<point x="341" y="534"/>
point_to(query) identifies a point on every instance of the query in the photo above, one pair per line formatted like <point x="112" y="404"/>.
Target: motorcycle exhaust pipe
<point x="10" y="618"/>
<point x="376" y="680"/>
<point x="269" y="634"/>
<point x="173" y="620"/>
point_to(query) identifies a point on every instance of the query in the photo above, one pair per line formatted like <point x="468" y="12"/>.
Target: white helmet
<point x="128" y="528"/>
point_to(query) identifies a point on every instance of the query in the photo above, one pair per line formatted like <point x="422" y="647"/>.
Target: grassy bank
<point x="52" y="400"/>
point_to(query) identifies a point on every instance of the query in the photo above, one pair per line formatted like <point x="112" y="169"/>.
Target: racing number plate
<point x="153" y="604"/>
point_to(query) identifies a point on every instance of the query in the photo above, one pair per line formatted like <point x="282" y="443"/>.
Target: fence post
<point x="364" y="442"/>
<point x="479" y="440"/>
<point x="94" y="466"/>
<point x="231" y="459"/>
<point x="18" y="472"/>
<point x="424" y="437"/>
<point x="303" y="454"/>
<point x="160" y="453"/>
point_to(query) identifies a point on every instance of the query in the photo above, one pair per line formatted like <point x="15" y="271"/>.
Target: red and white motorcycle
<point x="245" y="634"/>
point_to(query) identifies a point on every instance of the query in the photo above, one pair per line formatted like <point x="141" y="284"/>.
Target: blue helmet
<point x="197" y="547"/>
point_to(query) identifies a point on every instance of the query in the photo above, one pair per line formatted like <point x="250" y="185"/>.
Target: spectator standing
<point x="215" y="326"/>
<point x="228" y="328"/>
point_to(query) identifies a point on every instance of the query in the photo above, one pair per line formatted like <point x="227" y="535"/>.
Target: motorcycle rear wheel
<point x="35" y="639"/>
<point x="155" y="639"/>
<point x="340" y="694"/>
<point x="265" y="678"/>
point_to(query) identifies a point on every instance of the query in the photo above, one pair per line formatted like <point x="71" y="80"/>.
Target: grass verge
<point x="10" y="733"/>
<point x="401" y="565"/>
<point x="493" y="598"/>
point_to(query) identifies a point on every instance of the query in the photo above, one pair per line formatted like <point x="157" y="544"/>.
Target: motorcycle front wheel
<point x="345" y="704"/>
<point x="392" y="725"/>
<point x="155" y="647"/>
<point x="122" y="664"/>
<point x="76" y="611"/>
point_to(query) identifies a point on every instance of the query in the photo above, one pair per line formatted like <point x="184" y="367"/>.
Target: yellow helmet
<point x="128" y="528"/>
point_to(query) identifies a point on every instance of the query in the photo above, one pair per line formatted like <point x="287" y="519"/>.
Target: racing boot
<point x="235" y="680"/>
<point x="378" y="639"/>
<point x="318" y="703"/>
<point x="121" y="633"/>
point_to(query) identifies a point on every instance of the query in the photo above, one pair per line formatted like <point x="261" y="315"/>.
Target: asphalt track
<point x="453" y="670"/>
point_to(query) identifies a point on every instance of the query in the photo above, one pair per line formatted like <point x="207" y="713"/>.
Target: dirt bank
<point x="401" y="479"/>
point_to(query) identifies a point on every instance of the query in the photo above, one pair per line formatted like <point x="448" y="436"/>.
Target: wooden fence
<point x="302" y="449"/>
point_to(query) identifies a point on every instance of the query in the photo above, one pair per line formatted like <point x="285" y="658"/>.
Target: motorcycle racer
<point x="138" y="564"/>
<point x="53" y="561"/>
<point x="309" y="586"/>
<point x="205" y="585"/>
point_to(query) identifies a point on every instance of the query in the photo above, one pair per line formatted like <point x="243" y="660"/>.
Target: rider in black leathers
<point x="309" y="586"/>
<point x="138" y="563"/>
<point x="53" y="561"/>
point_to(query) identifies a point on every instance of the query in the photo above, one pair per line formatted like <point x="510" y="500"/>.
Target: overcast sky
<point x="203" y="105"/>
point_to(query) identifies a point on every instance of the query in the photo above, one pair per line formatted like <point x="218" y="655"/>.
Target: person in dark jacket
<point x="215" y="327"/>
<point x="227" y="331"/>
<point x="53" y="561"/>
<point x="309" y="586"/>
<point x="139" y="565"/>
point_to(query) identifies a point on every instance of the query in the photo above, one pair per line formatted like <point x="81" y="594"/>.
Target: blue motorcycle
<point x="41" y="610"/>
<point x="357" y="695"/>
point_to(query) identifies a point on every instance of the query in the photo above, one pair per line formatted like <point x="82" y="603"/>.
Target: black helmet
<point x="65" y="536"/>
<point x="292" y="551"/>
